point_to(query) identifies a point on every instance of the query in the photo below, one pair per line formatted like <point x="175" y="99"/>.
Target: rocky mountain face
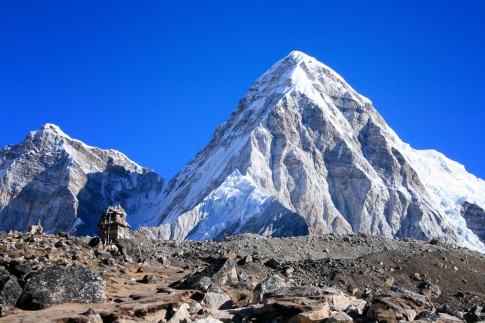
<point x="305" y="152"/>
<point x="67" y="184"/>
<point x="475" y="219"/>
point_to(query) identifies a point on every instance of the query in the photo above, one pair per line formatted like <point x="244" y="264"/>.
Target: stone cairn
<point x="113" y="225"/>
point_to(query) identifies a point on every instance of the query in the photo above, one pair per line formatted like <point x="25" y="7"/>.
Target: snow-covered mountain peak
<point x="49" y="129"/>
<point x="304" y="141"/>
<point x="67" y="184"/>
<point x="298" y="56"/>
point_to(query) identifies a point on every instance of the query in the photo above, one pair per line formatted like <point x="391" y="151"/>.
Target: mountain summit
<point x="305" y="153"/>
<point x="66" y="184"/>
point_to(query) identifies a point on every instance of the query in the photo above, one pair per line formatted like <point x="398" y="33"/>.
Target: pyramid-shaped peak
<point x="48" y="130"/>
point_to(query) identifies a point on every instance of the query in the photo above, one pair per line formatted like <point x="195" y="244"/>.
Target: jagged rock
<point x="181" y="314"/>
<point x="242" y="276"/>
<point x="356" y="307"/>
<point x="337" y="300"/>
<point x="217" y="299"/>
<point x="60" y="284"/>
<point x="10" y="291"/>
<point x="339" y="317"/>
<point x="220" y="272"/>
<point x="431" y="291"/>
<point x="227" y="274"/>
<point x="271" y="284"/>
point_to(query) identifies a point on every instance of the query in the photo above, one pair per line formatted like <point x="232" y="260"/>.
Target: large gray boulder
<point x="10" y="291"/>
<point x="60" y="284"/>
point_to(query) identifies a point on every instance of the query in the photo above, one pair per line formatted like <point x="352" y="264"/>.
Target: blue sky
<point x="154" y="79"/>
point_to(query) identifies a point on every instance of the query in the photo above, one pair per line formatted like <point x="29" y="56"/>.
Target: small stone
<point x="389" y="281"/>
<point x="436" y="241"/>
<point x="273" y="263"/>
<point x="459" y="295"/>
<point x="149" y="279"/>
<point x="444" y="317"/>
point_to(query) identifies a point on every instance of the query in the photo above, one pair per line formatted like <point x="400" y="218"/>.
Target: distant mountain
<point x="305" y="153"/>
<point x="67" y="184"/>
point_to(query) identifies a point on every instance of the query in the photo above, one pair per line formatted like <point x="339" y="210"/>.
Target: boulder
<point x="378" y="312"/>
<point x="339" y="317"/>
<point x="337" y="300"/>
<point x="10" y="291"/>
<point x="220" y="272"/>
<point x="61" y="284"/>
<point x="271" y="284"/>
<point x="18" y="269"/>
<point x="318" y="315"/>
<point x="444" y="317"/>
<point x="356" y="307"/>
<point x="217" y="299"/>
<point x="402" y="307"/>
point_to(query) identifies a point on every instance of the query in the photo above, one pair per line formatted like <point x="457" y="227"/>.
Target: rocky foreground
<point x="246" y="278"/>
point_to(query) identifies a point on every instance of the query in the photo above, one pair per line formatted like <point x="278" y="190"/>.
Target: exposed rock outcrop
<point x="475" y="219"/>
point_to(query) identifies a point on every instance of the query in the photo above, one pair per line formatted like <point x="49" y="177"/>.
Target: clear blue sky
<point x="154" y="79"/>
